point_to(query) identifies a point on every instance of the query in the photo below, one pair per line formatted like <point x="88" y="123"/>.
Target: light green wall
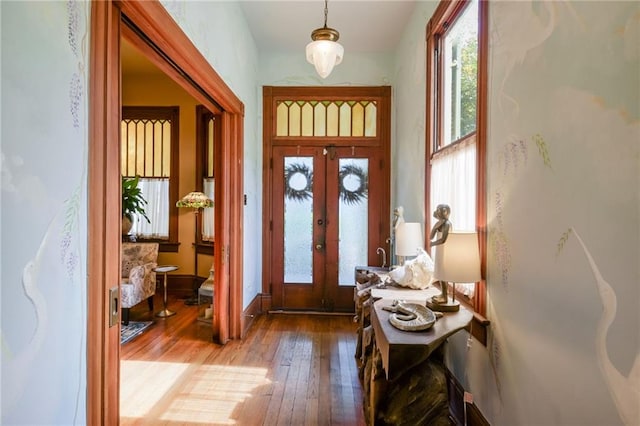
<point x="44" y="211"/>
<point x="563" y="163"/>
<point x="219" y="30"/>
<point x="566" y="71"/>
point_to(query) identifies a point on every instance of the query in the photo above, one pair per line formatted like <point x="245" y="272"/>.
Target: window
<point x="149" y="143"/>
<point x="333" y="118"/>
<point x="456" y="121"/>
<point x="208" y="131"/>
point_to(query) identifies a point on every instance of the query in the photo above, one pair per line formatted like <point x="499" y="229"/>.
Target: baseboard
<point x="457" y="405"/>
<point x="311" y="312"/>
<point x="265" y="299"/>
<point x="179" y="285"/>
<point x="249" y="314"/>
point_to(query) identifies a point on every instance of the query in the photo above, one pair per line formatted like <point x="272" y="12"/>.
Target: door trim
<point x="103" y="254"/>
<point x="269" y="94"/>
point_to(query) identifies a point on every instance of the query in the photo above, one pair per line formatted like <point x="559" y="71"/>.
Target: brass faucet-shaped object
<point x="384" y="256"/>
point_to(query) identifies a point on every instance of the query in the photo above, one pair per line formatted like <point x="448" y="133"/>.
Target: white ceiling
<point x="364" y="26"/>
<point x="369" y="26"/>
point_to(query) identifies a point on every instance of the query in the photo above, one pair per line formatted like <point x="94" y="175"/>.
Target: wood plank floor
<point x="291" y="369"/>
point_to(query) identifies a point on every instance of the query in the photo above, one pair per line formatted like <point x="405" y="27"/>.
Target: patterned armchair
<point x="138" y="277"/>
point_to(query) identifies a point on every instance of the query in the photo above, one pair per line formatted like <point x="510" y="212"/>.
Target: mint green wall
<point x="563" y="199"/>
<point x="356" y="69"/>
<point x="407" y="186"/>
<point x="44" y="230"/>
<point x="563" y="210"/>
<point x="219" y="30"/>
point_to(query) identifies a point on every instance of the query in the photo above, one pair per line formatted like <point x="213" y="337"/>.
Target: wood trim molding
<point x="175" y="48"/>
<point x="156" y="23"/>
<point x="436" y="26"/>
<point x="480" y="295"/>
<point x="151" y="21"/>
<point x="103" y="254"/>
<point x="250" y="314"/>
<point x="379" y="145"/>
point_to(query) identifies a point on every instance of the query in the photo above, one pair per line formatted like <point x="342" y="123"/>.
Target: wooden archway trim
<point x="156" y="23"/>
<point x="103" y="268"/>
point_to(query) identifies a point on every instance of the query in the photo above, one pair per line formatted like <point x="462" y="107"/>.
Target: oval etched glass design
<point x="353" y="216"/>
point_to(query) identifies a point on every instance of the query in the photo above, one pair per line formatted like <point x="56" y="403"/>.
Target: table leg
<point x="165" y="312"/>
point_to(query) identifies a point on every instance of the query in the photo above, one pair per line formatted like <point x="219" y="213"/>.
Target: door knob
<point x="318" y="246"/>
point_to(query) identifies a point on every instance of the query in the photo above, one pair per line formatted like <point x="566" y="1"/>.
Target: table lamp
<point x="408" y="240"/>
<point x="458" y="261"/>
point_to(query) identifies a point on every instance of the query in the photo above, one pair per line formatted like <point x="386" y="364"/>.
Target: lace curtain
<point x="156" y="192"/>
<point x="453" y="182"/>
<point x="208" y="213"/>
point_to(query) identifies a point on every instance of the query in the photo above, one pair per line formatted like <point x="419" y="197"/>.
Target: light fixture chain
<point x="326" y="12"/>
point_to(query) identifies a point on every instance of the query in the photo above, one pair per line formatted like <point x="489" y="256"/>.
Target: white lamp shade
<point x="458" y="259"/>
<point x="324" y="55"/>
<point x="408" y="239"/>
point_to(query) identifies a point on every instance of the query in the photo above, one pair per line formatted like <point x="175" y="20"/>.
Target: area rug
<point x="135" y="328"/>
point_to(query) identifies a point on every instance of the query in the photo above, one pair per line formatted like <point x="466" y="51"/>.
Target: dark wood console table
<point x="404" y="379"/>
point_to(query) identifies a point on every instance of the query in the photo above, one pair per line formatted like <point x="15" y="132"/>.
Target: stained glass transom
<point x="326" y="118"/>
<point x="146" y="148"/>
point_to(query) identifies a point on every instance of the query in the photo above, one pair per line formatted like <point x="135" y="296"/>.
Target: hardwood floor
<point x="291" y="369"/>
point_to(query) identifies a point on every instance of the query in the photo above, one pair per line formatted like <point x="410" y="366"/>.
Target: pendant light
<point x="324" y="51"/>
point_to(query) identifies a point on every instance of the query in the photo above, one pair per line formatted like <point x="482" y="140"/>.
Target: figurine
<point x="440" y="231"/>
<point x="398" y="217"/>
<point x="442" y="226"/>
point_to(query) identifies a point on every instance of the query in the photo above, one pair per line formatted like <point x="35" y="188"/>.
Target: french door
<point x="328" y="212"/>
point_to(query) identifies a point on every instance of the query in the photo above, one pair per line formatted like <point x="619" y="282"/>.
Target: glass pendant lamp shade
<point x="324" y="55"/>
<point x="324" y="51"/>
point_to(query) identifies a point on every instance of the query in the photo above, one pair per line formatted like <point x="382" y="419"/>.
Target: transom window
<point x="332" y="118"/>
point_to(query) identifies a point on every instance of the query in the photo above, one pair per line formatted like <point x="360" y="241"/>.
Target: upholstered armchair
<point x="138" y="275"/>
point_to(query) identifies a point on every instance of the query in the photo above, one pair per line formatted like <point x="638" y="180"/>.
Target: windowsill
<point x="163" y="245"/>
<point x="205" y="248"/>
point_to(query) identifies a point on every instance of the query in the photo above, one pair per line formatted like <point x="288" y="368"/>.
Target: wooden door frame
<point x="171" y="45"/>
<point x="269" y="93"/>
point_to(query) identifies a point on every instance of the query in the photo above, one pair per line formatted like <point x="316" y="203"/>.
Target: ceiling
<point x="364" y="26"/>
<point x="285" y="26"/>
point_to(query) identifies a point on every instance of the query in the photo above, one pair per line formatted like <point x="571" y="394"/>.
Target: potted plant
<point x="132" y="202"/>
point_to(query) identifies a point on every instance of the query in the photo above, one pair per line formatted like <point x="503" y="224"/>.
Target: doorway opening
<point x="164" y="43"/>
<point x="326" y="192"/>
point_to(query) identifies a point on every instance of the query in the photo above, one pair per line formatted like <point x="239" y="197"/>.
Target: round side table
<point x="163" y="269"/>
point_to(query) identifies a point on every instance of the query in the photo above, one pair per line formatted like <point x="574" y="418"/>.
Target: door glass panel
<point x="298" y="220"/>
<point x="353" y="184"/>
